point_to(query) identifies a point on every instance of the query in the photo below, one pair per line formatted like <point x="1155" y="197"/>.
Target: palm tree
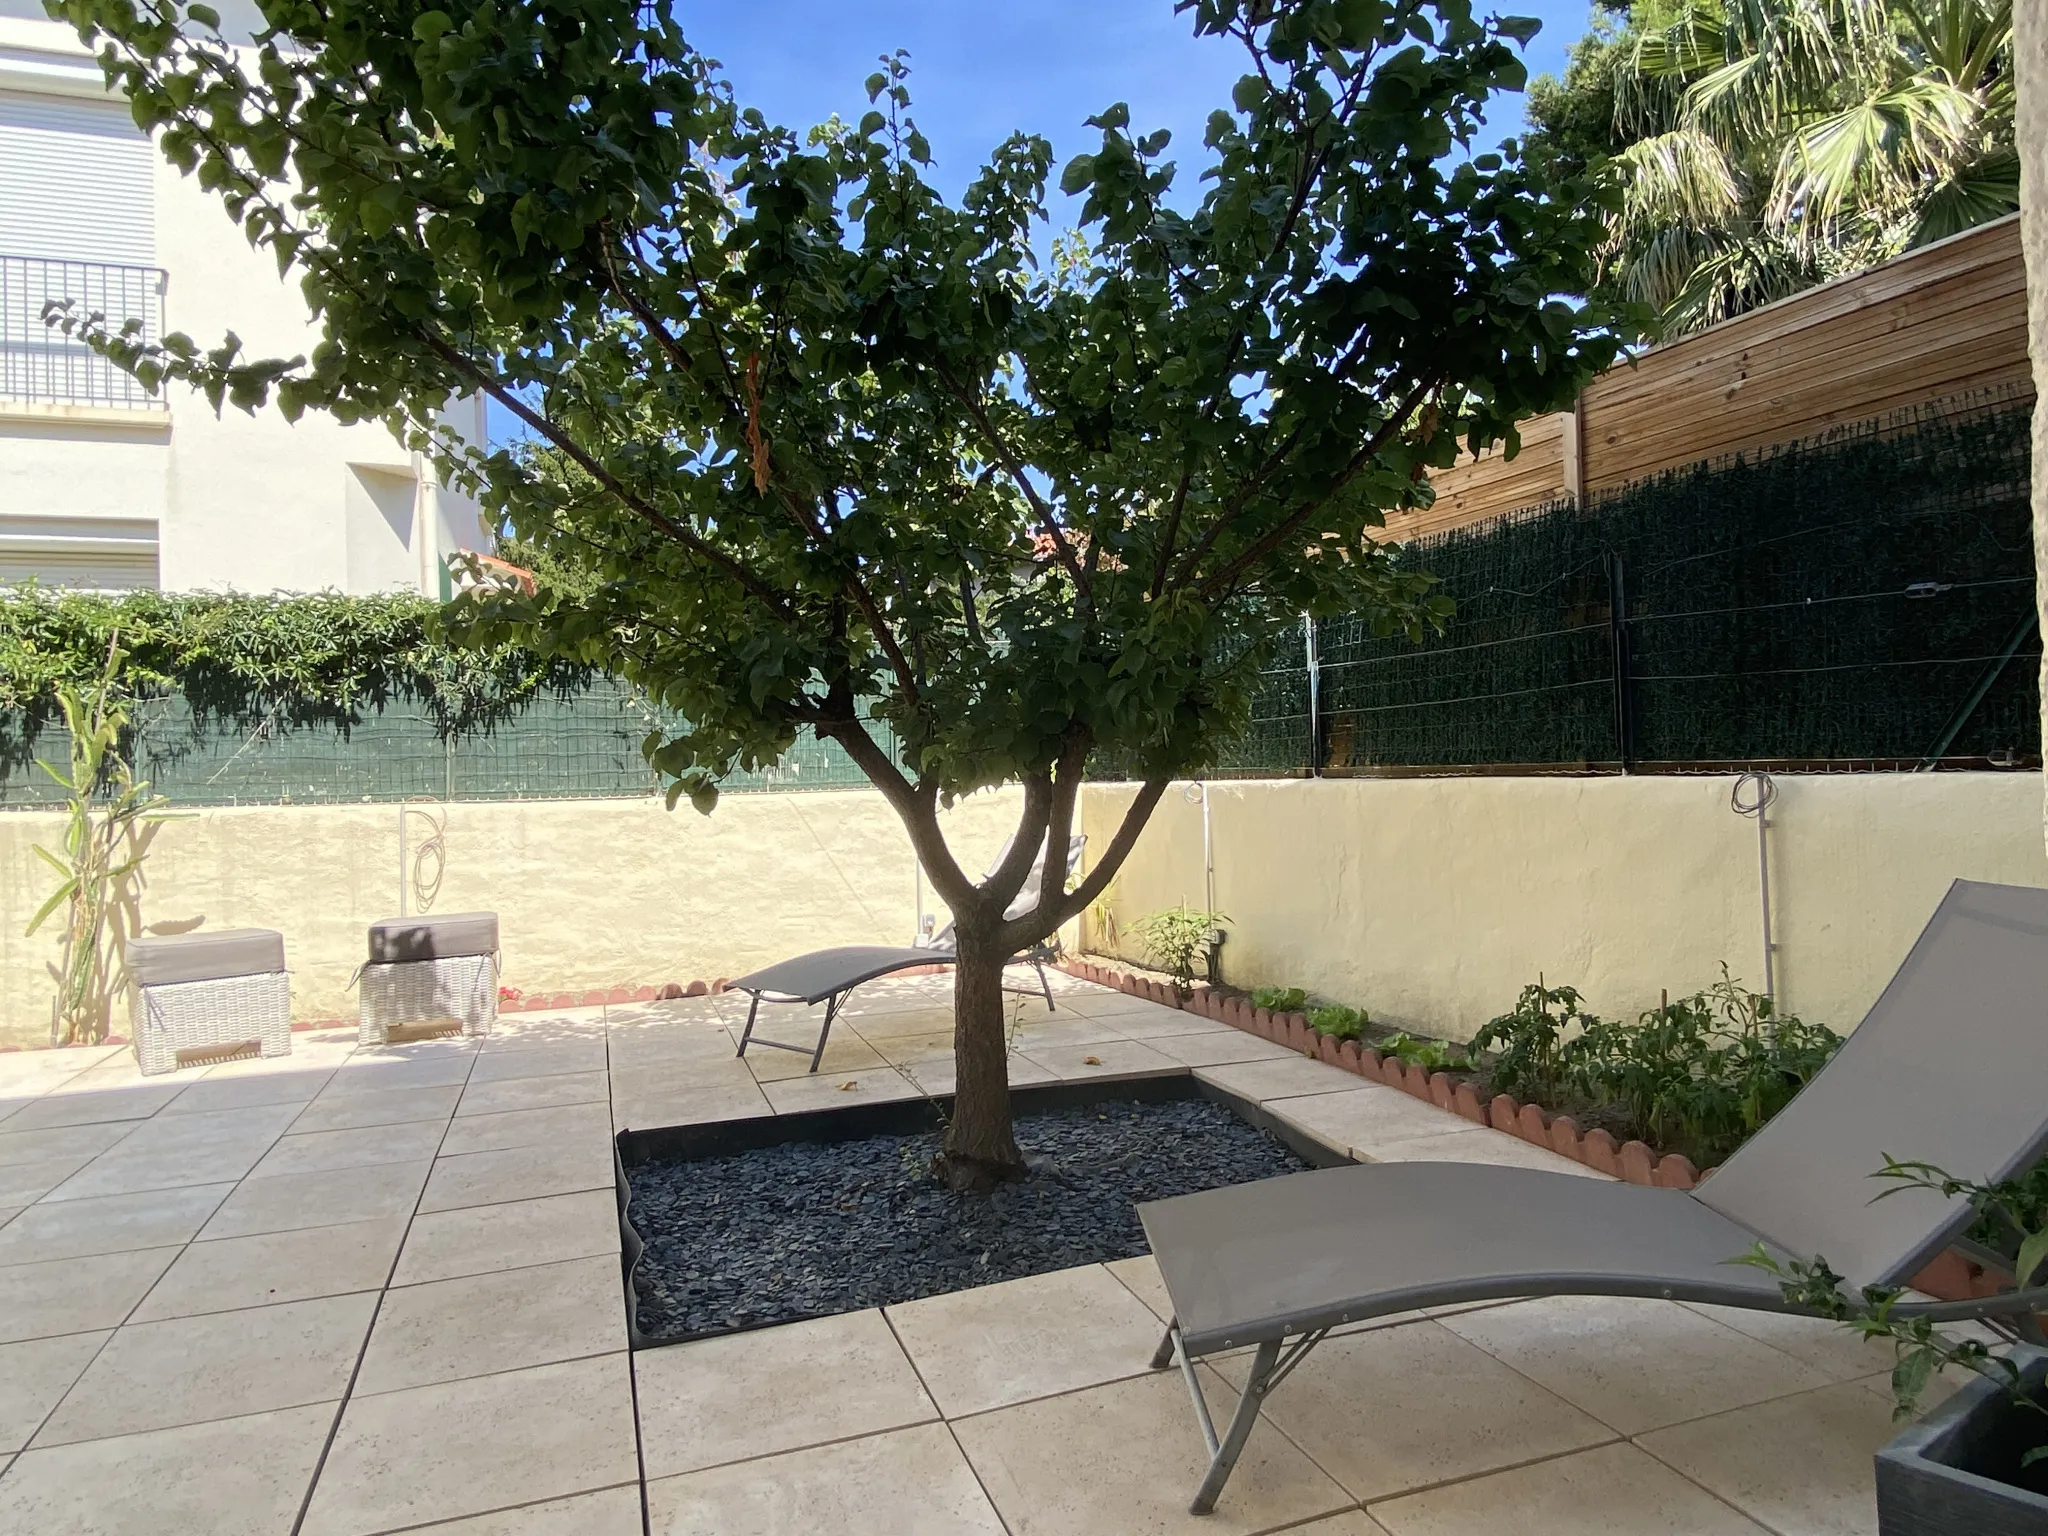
<point x="1778" y="143"/>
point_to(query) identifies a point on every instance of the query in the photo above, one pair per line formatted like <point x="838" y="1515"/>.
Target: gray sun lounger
<point x="829" y="976"/>
<point x="1948" y="1067"/>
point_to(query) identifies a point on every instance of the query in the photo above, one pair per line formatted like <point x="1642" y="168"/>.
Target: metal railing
<point x="39" y="364"/>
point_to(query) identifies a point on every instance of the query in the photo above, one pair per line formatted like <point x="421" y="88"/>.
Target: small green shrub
<point x="1338" y="1021"/>
<point x="1528" y="1042"/>
<point x="1430" y="1055"/>
<point x="1701" y="1073"/>
<point x="1280" y="999"/>
<point x="1178" y="942"/>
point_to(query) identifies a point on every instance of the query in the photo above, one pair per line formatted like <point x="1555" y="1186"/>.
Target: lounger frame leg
<point x="753" y="1008"/>
<point x="831" y="1012"/>
<point x="1045" y="986"/>
<point x="1269" y="1368"/>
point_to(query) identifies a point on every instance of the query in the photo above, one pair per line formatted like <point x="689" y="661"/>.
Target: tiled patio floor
<point x="353" y="1292"/>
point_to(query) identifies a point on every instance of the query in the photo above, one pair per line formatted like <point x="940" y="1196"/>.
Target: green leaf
<point x="2027" y="1266"/>
<point x="1522" y="29"/>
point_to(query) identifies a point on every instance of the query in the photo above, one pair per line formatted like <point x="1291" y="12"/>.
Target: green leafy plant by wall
<point x="1178" y="940"/>
<point x="1338" y="1021"/>
<point x="1429" y="1055"/>
<point x="322" y="659"/>
<point x="1279" y="999"/>
<point x="111" y="818"/>
<point x="1697" y="1075"/>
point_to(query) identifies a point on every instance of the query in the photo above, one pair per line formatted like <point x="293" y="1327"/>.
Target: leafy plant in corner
<point x="2017" y="1208"/>
<point x="110" y="819"/>
<point x="1279" y="999"/>
<point x="1177" y="939"/>
<point x="1338" y="1021"/>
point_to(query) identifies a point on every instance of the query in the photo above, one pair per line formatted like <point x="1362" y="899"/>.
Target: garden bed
<point x="750" y="1223"/>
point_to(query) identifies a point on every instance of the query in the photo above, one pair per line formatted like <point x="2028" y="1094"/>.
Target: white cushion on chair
<point x="160" y="960"/>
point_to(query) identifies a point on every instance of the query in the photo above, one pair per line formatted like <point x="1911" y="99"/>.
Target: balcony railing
<point x="39" y="364"/>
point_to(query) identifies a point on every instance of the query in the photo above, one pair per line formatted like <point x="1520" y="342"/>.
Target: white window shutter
<point x="77" y="181"/>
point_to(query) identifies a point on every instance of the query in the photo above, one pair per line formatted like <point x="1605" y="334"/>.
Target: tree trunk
<point x="980" y="1151"/>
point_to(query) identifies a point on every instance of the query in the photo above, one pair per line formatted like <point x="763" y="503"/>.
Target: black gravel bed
<point x="807" y="1229"/>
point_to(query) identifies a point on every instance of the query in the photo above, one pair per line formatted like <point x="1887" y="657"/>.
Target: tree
<point x="846" y="457"/>
<point x="1762" y="146"/>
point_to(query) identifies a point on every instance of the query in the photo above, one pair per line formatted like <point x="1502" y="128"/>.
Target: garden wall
<point x="1431" y="902"/>
<point x="590" y="893"/>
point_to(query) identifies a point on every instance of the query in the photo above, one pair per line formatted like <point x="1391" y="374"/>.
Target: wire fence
<point x="581" y="744"/>
<point x="1865" y="600"/>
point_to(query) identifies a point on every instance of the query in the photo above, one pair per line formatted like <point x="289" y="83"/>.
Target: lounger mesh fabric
<point x="207" y="991"/>
<point x="1947" y="1067"/>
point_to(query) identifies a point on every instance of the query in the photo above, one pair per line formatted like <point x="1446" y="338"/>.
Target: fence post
<point x="1618" y="638"/>
<point x="1313" y="665"/>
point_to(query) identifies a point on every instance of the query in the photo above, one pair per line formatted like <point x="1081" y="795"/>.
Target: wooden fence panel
<point x="1945" y="320"/>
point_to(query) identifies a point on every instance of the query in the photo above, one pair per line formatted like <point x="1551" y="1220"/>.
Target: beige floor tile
<point x="772" y="1390"/>
<point x="1353" y="1522"/>
<point x="224" y="1365"/>
<point x="1616" y="1490"/>
<point x="361" y="1110"/>
<point x="706" y="1009"/>
<point x="1149" y="1021"/>
<point x="388" y="1073"/>
<point x="1297" y="1075"/>
<point x="225" y="1274"/>
<point x="69" y="1229"/>
<point x="567" y="1125"/>
<point x="449" y="1329"/>
<point x="876" y="1024"/>
<point x="1368" y="1116"/>
<point x="73" y="1105"/>
<point x="836" y="1090"/>
<point x="179" y="1150"/>
<point x="668" y="1041"/>
<point x="682" y="1106"/>
<point x="1821" y="1344"/>
<point x="34" y="1071"/>
<point x="1395" y="1409"/>
<point x="21" y="1183"/>
<point x="608" y="1512"/>
<point x="467" y="1447"/>
<point x="909" y="1482"/>
<point x="691" y="1076"/>
<point x="1477" y="1144"/>
<point x="1217" y="1048"/>
<point x="71" y="1295"/>
<point x="549" y="1022"/>
<point x="330" y="1199"/>
<point x="517" y="1173"/>
<point x="34" y="1376"/>
<point x="444" y="1245"/>
<point x="1140" y="1276"/>
<point x="1127" y="1457"/>
<point x="1105" y="1058"/>
<point x="213" y="1093"/>
<point x="364" y="1147"/>
<point x="533" y="1093"/>
<point x="915" y="1050"/>
<point x="231" y="1477"/>
<point x="1800" y="1465"/>
<point x="939" y="1077"/>
<point x="1104" y="1001"/>
<point x="1636" y="1365"/>
<point x="845" y="1053"/>
<point x="72" y="1141"/>
<point x="551" y="1060"/>
<point x="1041" y="1032"/>
<point x="9" y="1212"/>
<point x="1001" y="1344"/>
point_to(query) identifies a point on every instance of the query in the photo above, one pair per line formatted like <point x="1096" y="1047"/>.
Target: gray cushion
<point x="433" y="938"/>
<point x="158" y="960"/>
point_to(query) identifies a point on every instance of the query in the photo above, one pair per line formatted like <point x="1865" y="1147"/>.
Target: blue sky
<point x="981" y="70"/>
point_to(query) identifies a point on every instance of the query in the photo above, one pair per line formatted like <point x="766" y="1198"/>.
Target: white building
<point x="102" y="486"/>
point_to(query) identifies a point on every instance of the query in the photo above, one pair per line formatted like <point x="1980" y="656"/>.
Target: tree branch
<point x="1097" y="879"/>
<point x="1008" y="459"/>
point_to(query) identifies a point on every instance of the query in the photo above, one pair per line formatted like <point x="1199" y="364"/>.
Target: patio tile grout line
<point x="376" y="1311"/>
<point x="502" y="1509"/>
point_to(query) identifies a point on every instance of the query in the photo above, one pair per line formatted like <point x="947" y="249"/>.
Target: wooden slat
<point x="1946" y="320"/>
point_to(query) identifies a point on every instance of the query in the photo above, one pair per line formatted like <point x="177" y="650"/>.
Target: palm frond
<point x="1986" y="189"/>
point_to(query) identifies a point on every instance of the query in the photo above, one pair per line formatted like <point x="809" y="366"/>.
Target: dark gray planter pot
<point x="1945" y="1476"/>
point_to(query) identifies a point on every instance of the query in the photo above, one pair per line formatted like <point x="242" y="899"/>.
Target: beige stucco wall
<point x="2030" y="51"/>
<point x="1432" y="901"/>
<point x="243" y="502"/>
<point x="590" y="893"/>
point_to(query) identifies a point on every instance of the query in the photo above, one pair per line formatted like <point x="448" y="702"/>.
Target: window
<point x="108" y="554"/>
